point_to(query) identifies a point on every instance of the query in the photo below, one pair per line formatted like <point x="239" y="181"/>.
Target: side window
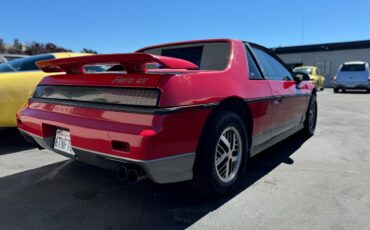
<point x="254" y="73"/>
<point x="271" y="67"/>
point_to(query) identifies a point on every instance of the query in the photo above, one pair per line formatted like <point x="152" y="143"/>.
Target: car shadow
<point x="70" y="194"/>
<point x="11" y="141"/>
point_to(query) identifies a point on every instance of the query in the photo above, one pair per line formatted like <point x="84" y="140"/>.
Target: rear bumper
<point x="163" y="145"/>
<point x="163" y="170"/>
<point x="355" y="85"/>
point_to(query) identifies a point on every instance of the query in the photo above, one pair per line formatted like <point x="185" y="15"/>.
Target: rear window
<point x="208" y="56"/>
<point x="353" y="67"/>
<point x="304" y="70"/>
<point x="24" y="64"/>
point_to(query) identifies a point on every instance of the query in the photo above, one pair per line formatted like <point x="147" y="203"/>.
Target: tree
<point x="16" y="48"/>
<point x="34" y="48"/>
<point x="2" y="46"/>
<point x="52" y="48"/>
<point x="39" y="48"/>
<point x="91" y="51"/>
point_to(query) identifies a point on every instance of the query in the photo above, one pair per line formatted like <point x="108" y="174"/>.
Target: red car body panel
<point x="157" y="135"/>
<point x="96" y="129"/>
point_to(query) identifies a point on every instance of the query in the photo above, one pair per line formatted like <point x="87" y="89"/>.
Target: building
<point x="327" y="57"/>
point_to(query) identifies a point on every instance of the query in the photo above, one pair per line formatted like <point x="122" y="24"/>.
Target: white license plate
<point x="63" y="141"/>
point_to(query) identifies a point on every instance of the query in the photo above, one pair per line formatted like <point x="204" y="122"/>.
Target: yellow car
<point x="18" y="78"/>
<point x="315" y="77"/>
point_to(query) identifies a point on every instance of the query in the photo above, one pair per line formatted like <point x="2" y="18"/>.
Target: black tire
<point x="335" y="90"/>
<point x="310" y="122"/>
<point x="207" y="178"/>
<point x="368" y="90"/>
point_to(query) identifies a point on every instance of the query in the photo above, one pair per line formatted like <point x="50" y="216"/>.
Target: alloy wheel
<point x="228" y="154"/>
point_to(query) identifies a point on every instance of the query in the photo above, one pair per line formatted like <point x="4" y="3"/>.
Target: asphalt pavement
<point x="316" y="183"/>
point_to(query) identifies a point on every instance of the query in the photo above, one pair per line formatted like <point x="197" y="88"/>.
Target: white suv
<point x="352" y="75"/>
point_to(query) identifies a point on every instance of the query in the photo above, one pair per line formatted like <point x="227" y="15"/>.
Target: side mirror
<point x="300" y="76"/>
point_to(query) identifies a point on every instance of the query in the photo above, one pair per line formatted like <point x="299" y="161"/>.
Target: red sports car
<point x="192" y="110"/>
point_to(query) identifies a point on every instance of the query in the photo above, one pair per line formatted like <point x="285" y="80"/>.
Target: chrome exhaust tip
<point x="134" y="176"/>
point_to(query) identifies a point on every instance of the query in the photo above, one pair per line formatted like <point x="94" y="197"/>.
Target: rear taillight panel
<point x="101" y="95"/>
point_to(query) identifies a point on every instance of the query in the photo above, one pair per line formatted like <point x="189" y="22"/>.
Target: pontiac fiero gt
<point x="175" y="112"/>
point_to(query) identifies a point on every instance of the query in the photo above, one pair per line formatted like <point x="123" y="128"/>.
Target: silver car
<point x="352" y="75"/>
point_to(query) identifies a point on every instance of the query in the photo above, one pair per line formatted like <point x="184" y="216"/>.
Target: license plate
<point x="63" y="141"/>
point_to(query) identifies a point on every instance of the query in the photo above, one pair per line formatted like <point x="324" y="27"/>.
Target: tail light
<point x="100" y="95"/>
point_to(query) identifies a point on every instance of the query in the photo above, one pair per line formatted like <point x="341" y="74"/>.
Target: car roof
<point x="188" y="42"/>
<point x="68" y="54"/>
<point x="355" y="63"/>
<point x="305" y="66"/>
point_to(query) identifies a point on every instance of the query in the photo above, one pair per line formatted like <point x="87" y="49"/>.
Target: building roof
<point x="323" y="47"/>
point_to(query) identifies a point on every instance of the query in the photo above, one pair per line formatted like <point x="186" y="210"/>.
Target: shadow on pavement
<point x="11" y="141"/>
<point x="74" y="195"/>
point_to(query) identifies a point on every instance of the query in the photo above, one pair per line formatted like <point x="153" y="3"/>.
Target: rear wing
<point x="132" y="62"/>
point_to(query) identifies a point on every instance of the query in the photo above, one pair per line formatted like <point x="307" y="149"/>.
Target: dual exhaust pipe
<point x="131" y="173"/>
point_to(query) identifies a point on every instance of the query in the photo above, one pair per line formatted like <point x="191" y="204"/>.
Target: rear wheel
<point x="311" y="117"/>
<point x="221" y="156"/>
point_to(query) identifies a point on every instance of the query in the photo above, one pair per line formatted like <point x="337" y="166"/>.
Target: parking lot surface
<point x="319" y="183"/>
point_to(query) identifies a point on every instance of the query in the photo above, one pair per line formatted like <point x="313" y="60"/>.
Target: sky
<point x="113" y="26"/>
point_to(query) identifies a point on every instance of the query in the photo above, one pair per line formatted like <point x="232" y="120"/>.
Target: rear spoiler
<point x="132" y="62"/>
